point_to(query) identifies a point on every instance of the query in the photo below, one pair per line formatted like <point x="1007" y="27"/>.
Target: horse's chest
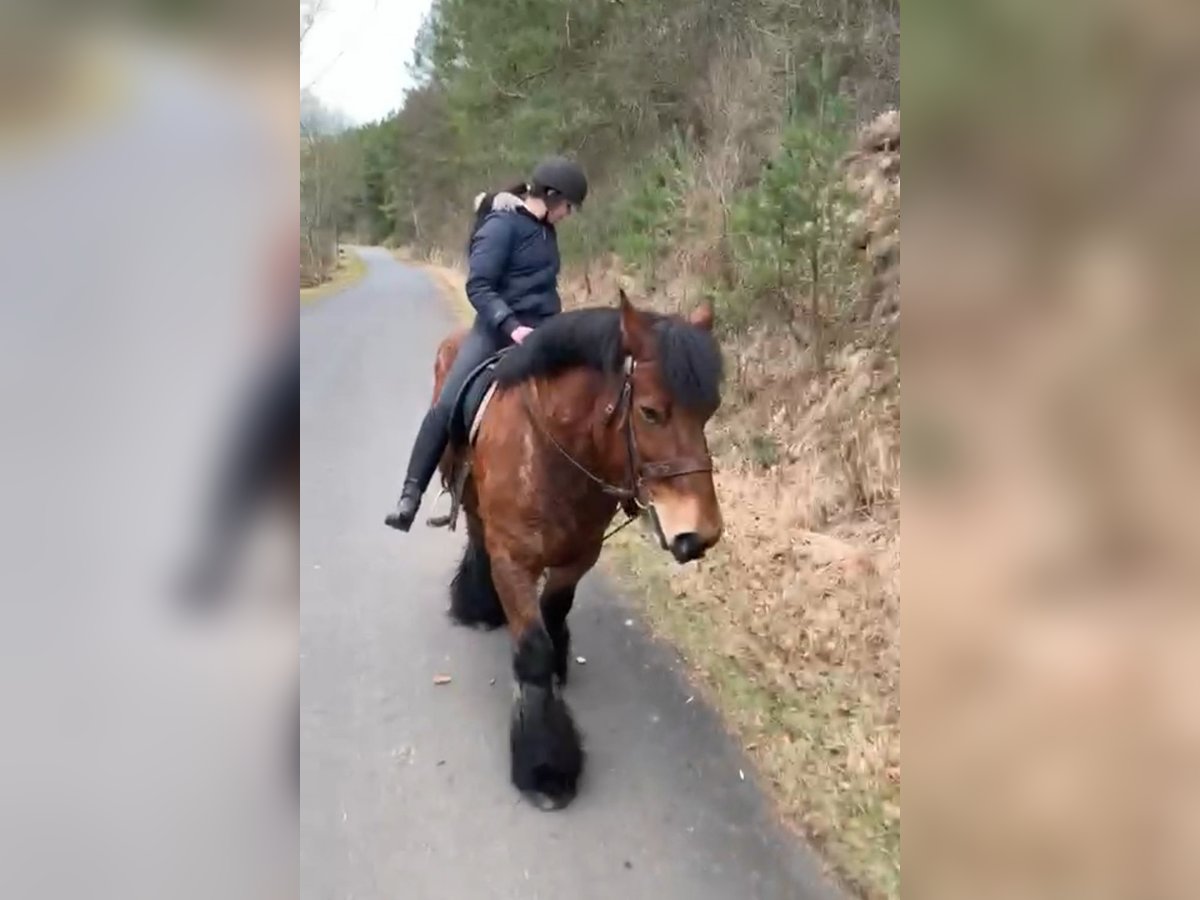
<point x="573" y="520"/>
<point x="538" y="499"/>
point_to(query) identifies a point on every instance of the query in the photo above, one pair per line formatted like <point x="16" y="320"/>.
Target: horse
<point x="598" y="409"/>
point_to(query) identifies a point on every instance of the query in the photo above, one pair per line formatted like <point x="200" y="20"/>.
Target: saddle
<point x="466" y="415"/>
<point x="469" y="406"/>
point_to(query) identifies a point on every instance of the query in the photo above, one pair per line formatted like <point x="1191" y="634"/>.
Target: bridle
<point x="637" y="473"/>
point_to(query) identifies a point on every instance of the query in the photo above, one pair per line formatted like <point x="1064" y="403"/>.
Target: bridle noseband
<point x="637" y="473"/>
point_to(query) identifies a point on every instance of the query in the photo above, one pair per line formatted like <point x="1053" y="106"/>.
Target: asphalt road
<point x="405" y="790"/>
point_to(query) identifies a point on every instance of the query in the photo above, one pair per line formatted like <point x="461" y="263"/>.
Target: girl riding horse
<point x="513" y="285"/>
<point x="595" y="410"/>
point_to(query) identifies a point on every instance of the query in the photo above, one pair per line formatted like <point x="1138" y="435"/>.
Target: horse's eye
<point x="651" y="415"/>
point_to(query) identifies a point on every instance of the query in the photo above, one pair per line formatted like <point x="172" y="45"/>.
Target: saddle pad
<point x="478" y="419"/>
<point x="470" y="403"/>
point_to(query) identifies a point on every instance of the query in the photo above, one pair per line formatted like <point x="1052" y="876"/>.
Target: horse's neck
<point x="571" y="407"/>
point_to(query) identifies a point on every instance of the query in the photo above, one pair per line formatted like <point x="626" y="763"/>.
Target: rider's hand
<point x="520" y="333"/>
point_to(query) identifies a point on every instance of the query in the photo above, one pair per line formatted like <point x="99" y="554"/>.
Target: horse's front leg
<point x="547" y="756"/>
<point x="558" y="596"/>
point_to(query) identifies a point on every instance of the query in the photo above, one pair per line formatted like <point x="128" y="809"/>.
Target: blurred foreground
<point x="147" y="178"/>
<point x="1051" y="502"/>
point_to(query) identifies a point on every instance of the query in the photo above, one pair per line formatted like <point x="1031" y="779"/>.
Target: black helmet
<point x="563" y="175"/>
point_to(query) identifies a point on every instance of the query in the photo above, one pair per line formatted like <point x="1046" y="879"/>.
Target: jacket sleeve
<point x="491" y="248"/>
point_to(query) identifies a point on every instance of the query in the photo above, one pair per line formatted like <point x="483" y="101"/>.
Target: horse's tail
<point x="447" y="352"/>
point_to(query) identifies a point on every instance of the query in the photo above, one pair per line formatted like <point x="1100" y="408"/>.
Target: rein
<point x="637" y="474"/>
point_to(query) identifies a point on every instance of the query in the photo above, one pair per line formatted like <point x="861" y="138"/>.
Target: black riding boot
<point x="401" y="518"/>
<point x="426" y="454"/>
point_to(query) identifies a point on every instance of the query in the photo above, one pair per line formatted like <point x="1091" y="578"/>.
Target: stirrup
<point x="442" y="521"/>
<point x="455" y="490"/>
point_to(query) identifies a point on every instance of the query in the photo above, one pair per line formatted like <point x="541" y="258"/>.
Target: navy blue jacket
<point x="513" y="277"/>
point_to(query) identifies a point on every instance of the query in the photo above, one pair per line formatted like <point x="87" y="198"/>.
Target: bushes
<point x="788" y="234"/>
<point x="642" y="220"/>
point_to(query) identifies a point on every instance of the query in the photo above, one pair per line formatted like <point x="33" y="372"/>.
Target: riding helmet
<point x="563" y="175"/>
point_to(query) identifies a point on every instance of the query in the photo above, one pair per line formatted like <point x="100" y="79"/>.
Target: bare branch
<point x="317" y="8"/>
<point x="532" y="75"/>
<point x="309" y="17"/>
<point x="325" y="71"/>
<point x="511" y="94"/>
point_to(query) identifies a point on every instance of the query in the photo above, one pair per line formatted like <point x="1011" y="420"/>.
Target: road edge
<point x="345" y="277"/>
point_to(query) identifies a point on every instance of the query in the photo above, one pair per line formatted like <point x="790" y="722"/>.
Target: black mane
<point x="688" y="356"/>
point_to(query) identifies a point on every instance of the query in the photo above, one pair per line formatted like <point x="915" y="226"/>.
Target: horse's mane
<point x="688" y="356"/>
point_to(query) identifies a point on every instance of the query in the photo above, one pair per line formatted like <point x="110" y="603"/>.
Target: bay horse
<point x="597" y="409"/>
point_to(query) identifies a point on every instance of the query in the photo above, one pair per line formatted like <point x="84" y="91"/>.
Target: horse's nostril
<point x="687" y="547"/>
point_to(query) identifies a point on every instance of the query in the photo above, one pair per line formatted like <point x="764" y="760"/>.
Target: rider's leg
<point x="427" y="450"/>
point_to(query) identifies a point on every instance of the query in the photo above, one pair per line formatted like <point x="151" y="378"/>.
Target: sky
<point x="355" y="57"/>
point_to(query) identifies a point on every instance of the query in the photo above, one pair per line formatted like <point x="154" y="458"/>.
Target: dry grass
<point x="873" y="176"/>
<point x="349" y="270"/>
<point x="792" y="623"/>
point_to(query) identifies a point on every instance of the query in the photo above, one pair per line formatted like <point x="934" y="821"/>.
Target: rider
<point x="513" y="286"/>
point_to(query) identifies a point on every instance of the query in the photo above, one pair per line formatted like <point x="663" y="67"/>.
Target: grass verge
<point x="350" y="269"/>
<point x="808" y="744"/>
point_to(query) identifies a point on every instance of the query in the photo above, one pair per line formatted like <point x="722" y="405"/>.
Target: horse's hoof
<point x="547" y="754"/>
<point x="548" y="802"/>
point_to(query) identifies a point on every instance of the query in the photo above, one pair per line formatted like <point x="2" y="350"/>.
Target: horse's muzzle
<point x="688" y="547"/>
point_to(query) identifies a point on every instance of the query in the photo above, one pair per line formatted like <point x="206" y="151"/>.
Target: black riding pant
<point x="480" y="343"/>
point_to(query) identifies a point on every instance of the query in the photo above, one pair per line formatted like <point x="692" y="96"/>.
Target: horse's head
<point x="674" y="372"/>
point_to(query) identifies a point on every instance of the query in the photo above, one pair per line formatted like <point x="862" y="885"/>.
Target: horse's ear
<point x="633" y="327"/>
<point x="702" y="316"/>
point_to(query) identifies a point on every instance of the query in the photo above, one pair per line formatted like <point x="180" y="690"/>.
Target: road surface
<point x="405" y="790"/>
